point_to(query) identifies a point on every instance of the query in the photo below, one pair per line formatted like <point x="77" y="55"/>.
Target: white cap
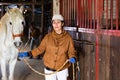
<point x="58" y="16"/>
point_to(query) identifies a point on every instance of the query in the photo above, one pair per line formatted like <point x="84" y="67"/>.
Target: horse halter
<point x="17" y="44"/>
<point x="17" y="35"/>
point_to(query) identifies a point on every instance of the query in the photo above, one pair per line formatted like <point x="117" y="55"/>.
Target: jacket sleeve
<point x="71" y="49"/>
<point x="41" y="48"/>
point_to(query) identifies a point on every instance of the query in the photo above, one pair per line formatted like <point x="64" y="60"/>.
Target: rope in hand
<point x="27" y="63"/>
<point x="25" y="60"/>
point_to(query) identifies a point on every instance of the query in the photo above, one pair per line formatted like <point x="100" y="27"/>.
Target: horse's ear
<point x="7" y="9"/>
<point x="21" y="8"/>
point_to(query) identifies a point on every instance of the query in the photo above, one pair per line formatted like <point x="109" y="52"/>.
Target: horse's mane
<point x="3" y="20"/>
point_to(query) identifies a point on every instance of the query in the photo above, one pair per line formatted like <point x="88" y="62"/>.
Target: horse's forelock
<point x="15" y="14"/>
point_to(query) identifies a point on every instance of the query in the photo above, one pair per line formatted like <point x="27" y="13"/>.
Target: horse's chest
<point x="10" y="52"/>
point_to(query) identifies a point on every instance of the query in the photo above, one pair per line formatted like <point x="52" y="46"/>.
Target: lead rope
<point x="73" y="65"/>
<point x="44" y="73"/>
<point x="34" y="70"/>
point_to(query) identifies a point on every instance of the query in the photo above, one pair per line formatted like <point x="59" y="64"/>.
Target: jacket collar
<point x="58" y="36"/>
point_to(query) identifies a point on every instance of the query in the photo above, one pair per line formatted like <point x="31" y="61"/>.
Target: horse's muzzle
<point x="18" y="44"/>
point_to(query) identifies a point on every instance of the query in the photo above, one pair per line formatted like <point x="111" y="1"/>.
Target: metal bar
<point x="117" y="14"/>
<point x="101" y="32"/>
<point x="18" y="3"/>
<point x="90" y="14"/>
<point x="80" y="2"/>
<point x="78" y="13"/>
<point x="69" y="17"/>
<point x="89" y="18"/>
<point x="74" y="16"/>
<point x="64" y="8"/>
<point x="94" y="14"/>
<point x="72" y="13"/>
<point x="111" y="14"/>
<point x="106" y="14"/>
<point x="82" y="14"/>
<point x="85" y="13"/>
<point x="100" y="13"/>
<point x="74" y="10"/>
<point x="66" y="13"/>
<point x="80" y="8"/>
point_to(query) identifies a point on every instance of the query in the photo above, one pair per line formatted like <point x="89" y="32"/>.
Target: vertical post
<point x="96" y="5"/>
<point x="98" y="11"/>
<point x="56" y="6"/>
<point x="33" y="7"/>
<point x="42" y="17"/>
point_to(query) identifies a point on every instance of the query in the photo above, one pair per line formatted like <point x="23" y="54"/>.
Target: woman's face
<point x="57" y="25"/>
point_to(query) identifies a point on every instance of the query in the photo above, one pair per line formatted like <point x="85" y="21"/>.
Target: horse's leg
<point x="3" y="69"/>
<point x="11" y="68"/>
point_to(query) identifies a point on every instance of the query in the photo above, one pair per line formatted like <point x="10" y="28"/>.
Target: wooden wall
<point x="109" y="56"/>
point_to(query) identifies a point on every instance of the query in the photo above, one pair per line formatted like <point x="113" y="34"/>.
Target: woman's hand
<point x="23" y="54"/>
<point x="72" y="60"/>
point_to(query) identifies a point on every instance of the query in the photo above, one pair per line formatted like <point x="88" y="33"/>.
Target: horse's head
<point x="15" y="24"/>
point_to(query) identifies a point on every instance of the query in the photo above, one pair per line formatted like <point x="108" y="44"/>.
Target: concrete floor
<point x="23" y="72"/>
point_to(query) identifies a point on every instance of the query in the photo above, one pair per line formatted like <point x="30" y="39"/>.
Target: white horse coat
<point x="11" y="29"/>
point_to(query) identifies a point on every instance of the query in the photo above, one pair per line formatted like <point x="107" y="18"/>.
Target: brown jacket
<point x="57" y="47"/>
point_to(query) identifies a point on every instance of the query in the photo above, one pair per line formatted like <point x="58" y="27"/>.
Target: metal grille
<point x="92" y="14"/>
<point x="68" y="10"/>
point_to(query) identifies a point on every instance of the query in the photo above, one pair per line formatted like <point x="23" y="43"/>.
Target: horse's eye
<point x="10" y="23"/>
<point x="22" y="22"/>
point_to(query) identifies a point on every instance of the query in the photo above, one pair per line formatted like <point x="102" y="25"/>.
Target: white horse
<point x="11" y="29"/>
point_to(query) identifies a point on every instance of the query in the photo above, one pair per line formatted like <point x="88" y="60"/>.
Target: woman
<point x="57" y="47"/>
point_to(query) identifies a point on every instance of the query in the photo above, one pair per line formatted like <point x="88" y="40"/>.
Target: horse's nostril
<point x="17" y="44"/>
